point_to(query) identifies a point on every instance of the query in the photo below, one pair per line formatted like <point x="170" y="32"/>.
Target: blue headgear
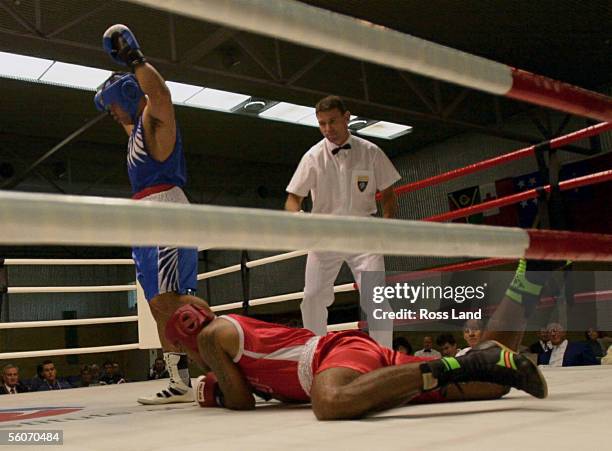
<point x="122" y="89"/>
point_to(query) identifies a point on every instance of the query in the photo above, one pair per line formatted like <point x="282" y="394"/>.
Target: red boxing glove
<point x="185" y="325"/>
<point x="208" y="392"/>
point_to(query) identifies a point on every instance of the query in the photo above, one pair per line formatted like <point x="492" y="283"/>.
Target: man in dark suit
<point x="563" y="352"/>
<point x="11" y="384"/>
<point x="543" y="344"/>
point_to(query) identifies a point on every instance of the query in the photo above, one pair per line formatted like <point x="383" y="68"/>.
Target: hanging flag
<point x="488" y="192"/>
<point x="464" y="198"/>
<point x="527" y="209"/>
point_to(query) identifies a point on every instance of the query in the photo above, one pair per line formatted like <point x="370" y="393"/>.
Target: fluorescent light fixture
<point x="310" y="120"/>
<point x="217" y="100"/>
<point x="356" y="124"/>
<point x="254" y="106"/>
<point x="75" y="76"/>
<point x="385" y="130"/>
<point x="23" y="67"/>
<point x="288" y="112"/>
<point x="182" y="91"/>
<point x="42" y="70"/>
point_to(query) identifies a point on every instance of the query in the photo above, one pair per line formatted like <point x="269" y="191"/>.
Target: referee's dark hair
<point x="330" y="103"/>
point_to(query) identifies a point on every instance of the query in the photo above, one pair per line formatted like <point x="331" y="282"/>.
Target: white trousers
<point x="322" y="268"/>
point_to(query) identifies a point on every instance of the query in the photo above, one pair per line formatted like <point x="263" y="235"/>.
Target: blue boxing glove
<point x="121" y="44"/>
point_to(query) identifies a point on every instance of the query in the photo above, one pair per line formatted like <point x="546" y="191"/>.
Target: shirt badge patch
<point x="362" y="182"/>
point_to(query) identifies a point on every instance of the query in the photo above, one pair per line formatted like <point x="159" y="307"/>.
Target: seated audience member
<point x="110" y="374"/>
<point x="543" y="344"/>
<point x="565" y="353"/>
<point x="447" y="345"/>
<point x="428" y="350"/>
<point x="158" y="370"/>
<point x="94" y="369"/>
<point x="11" y="384"/>
<point x="36" y="380"/>
<point x="117" y="373"/>
<point x="607" y="359"/>
<point x="472" y="333"/>
<point x="50" y="380"/>
<point x="604" y="341"/>
<point x="592" y="340"/>
<point x="85" y="377"/>
<point x="401" y="344"/>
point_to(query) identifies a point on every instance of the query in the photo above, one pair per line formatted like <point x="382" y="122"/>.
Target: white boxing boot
<point x="179" y="389"/>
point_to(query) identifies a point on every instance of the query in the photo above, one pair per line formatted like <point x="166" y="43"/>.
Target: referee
<point x="343" y="173"/>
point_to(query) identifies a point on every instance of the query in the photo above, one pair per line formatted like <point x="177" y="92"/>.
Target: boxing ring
<point x="575" y="414"/>
<point x="108" y="416"/>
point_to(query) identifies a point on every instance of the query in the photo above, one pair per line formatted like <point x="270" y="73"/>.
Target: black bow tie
<point x="338" y="149"/>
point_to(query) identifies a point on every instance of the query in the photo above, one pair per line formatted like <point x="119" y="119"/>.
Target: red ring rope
<point x="586" y="180"/>
<point x="555" y="143"/>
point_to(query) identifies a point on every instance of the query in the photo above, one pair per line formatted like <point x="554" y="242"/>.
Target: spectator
<point x="158" y="370"/>
<point x="117" y="373"/>
<point x="428" y="350"/>
<point x="11" y="384"/>
<point x="592" y="341"/>
<point x="86" y="377"/>
<point x="36" y="380"/>
<point x="94" y="369"/>
<point x="49" y="378"/>
<point x="401" y="344"/>
<point x="604" y="341"/>
<point x="543" y="344"/>
<point x="607" y="359"/>
<point x="563" y="352"/>
<point x="472" y="333"/>
<point x="447" y="345"/>
<point x="111" y="374"/>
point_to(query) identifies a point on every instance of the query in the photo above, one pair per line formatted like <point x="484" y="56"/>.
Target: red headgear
<point x="186" y="323"/>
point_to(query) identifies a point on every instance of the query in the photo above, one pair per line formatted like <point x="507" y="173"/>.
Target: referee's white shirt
<point x="345" y="183"/>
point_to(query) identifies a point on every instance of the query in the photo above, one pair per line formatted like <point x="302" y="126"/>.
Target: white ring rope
<point x="53" y="219"/>
<point x="277" y="298"/>
<point x="219" y="272"/>
<point x="45" y="218"/>
<point x="251" y="264"/>
<point x="75" y="289"/>
<point x="36" y="218"/>
<point x="332" y="32"/>
<point x="69" y="322"/>
<point x="69" y="351"/>
<point x="67" y="261"/>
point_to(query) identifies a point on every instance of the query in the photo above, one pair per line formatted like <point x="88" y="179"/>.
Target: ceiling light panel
<point x="75" y="76"/>
<point x="181" y="92"/>
<point x="385" y="130"/>
<point x="89" y="78"/>
<point x="23" y="67"/>
<point x="217" y="100"/>
<point x="288" y="112"/>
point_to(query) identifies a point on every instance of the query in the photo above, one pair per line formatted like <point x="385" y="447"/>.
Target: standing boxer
<point x="343" y="173"/>
<point x="140" y="101"/>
